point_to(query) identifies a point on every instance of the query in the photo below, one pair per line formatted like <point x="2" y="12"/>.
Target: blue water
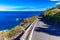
<point x="8" y="18"/>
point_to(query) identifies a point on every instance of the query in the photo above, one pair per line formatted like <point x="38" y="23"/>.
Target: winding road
<point x="46" y="31"/>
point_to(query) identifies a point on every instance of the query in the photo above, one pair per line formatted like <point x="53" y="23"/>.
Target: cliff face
<point x="53" y="14"/>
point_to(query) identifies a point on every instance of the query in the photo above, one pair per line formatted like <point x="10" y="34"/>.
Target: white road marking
<point x="30" y="37"/>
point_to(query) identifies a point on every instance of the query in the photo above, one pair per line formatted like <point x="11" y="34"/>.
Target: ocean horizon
<point x="8" y="18"/>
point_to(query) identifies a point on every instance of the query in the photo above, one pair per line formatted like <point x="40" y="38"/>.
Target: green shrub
<point x="53" y="14"/>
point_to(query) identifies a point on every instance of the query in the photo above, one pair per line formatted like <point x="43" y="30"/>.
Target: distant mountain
<point x="53" y="14"/>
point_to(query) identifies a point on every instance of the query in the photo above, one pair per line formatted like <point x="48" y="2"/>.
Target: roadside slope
<point x="53" y="14"/>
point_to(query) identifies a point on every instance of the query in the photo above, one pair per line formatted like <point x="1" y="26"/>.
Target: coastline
<point x="10" y="29"/>
<point x="3" y="30"/>
<point x="18" y="29"/>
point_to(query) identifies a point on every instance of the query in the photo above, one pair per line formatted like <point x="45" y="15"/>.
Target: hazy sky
<point x="27" y="5"/>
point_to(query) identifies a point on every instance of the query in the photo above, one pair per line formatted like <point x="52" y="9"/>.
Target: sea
<point x="8" y="19"/>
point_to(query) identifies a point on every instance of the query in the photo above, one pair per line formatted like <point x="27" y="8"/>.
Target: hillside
<point x="53" y="14"/>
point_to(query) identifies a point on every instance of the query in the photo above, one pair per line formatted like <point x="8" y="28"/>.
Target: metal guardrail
<point x="31" y="33"/>
<point x="27" y="32"/>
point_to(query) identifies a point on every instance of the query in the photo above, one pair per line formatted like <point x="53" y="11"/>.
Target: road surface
<point x="46" y="31"/>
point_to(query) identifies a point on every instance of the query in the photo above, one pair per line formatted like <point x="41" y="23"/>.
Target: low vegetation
<point x="53" y="14"/>
<point x="22" y="26"/>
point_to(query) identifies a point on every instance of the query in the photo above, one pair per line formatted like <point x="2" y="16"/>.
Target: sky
<point x="27" y="5"/>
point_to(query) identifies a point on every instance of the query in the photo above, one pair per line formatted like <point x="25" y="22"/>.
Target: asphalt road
<point x="46" y="31"/>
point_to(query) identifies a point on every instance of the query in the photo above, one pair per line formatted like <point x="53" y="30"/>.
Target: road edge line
<point x="30" y="37"/>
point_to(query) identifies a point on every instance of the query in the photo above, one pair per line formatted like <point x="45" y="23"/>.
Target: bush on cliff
<point x="53" y="15"/>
